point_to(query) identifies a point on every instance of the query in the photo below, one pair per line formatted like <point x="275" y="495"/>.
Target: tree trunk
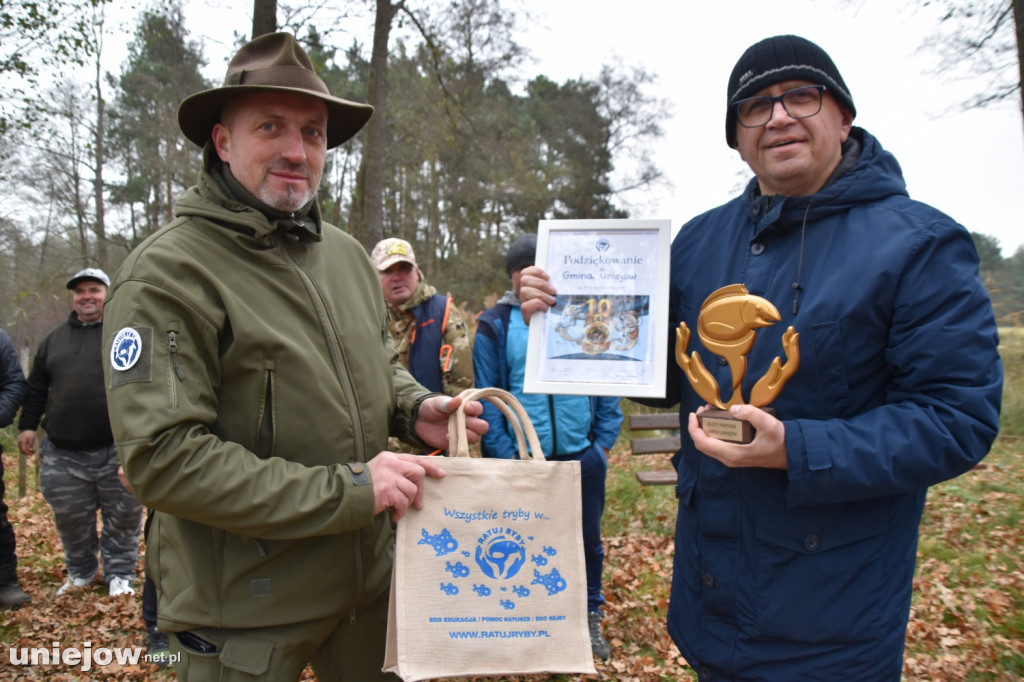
<point x="1018" y="23"/>
<point x="264" y="17"/>
<point x="99" y="150"/>
<point x="367" y="206"/>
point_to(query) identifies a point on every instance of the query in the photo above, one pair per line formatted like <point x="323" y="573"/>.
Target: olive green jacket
<point x="266" y="376"/>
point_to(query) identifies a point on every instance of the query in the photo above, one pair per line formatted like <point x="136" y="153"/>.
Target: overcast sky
<point x="969" y="165"/>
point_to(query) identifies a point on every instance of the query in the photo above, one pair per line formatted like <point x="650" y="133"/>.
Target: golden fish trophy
<point x="727" y="326"/>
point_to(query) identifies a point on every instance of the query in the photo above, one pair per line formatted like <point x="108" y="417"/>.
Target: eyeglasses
<point x="804" y="102"/>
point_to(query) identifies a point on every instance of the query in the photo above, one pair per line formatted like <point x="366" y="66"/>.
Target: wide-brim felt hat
<point x="274" y="62"/>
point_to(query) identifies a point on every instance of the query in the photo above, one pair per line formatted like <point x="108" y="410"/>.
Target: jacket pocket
<point x="829" y="363"/>
<point x="818" y="571"/>
<point x="247" y="654"/>
<point x="266" y="433"/>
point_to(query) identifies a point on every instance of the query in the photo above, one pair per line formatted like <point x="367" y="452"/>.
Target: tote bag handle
<point x="510" y="407"/>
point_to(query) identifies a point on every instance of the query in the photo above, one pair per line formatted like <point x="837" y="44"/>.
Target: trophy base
<point x="723" y="426"/>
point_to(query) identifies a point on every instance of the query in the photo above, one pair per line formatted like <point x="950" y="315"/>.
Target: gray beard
<point x="292" y="202"/>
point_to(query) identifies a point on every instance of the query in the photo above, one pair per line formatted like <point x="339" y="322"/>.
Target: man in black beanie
<point x="794" y="553"/>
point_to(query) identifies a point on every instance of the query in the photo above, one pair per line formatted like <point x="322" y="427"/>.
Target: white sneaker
<point x="73" y="583"/>
<point x="119" y="586"/>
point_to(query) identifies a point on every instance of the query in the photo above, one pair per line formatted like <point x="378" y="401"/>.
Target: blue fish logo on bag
<point x="501" y="554"/>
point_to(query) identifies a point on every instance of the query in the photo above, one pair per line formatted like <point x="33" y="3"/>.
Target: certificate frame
<point x="608" y="332"/>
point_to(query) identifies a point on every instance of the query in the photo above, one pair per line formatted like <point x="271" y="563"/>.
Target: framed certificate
<point x="607" y="333"/>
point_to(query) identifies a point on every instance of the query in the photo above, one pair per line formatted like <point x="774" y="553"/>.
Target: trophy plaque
<point x="727" y="326"/>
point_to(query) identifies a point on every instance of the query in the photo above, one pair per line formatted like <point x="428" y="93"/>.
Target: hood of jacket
<point x="509" y="298"/>
<point x="866" y="173"/>
<point x="217" y="195"/>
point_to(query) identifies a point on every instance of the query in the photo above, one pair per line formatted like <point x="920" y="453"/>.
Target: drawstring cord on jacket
<point x="797" y="288"/>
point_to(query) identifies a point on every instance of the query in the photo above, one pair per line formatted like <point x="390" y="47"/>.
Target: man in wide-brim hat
<point x="253" y="385"/>
<point x="272" y="71"/>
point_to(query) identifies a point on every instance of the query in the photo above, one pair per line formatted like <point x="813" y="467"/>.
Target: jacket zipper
<point x="172" y="347"/>
<point x="266" y="426"/>
<point x="341" y="369"/>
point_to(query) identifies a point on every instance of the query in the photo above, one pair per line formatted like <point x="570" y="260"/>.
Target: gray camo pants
<point x="77" y="484"/>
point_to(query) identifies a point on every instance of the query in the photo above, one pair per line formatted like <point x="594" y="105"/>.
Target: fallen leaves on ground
<point x="962" y="624"/>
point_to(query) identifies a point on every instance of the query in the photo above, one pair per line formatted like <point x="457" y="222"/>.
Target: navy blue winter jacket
<point x="806" y="574"/>
<point x="12" y="380"/>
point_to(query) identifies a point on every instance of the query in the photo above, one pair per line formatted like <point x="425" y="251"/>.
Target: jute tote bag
<point x="489" y="576"/>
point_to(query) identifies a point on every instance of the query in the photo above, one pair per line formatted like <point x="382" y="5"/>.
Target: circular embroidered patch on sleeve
<point x="126" y="349"/>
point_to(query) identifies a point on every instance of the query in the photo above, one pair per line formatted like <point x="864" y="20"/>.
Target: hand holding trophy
<point x="727" y="326"/>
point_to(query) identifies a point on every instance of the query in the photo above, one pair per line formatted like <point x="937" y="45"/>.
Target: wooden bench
<point x="655" y="445"/>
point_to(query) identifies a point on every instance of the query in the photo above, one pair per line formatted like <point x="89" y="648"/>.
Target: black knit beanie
<point x="523" y="252"/>
<point x="778" y="59"/>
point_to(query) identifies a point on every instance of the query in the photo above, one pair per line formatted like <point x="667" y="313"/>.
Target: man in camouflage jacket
<point x="430" y="332"/>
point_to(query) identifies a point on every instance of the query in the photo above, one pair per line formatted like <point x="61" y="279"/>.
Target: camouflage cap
<point x="391" y="251"/>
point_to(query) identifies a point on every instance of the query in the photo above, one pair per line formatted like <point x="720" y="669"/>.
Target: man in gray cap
<point x="794" y="553"/>
<point x="253" y="385"/>
<point x="77" y="460"/>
